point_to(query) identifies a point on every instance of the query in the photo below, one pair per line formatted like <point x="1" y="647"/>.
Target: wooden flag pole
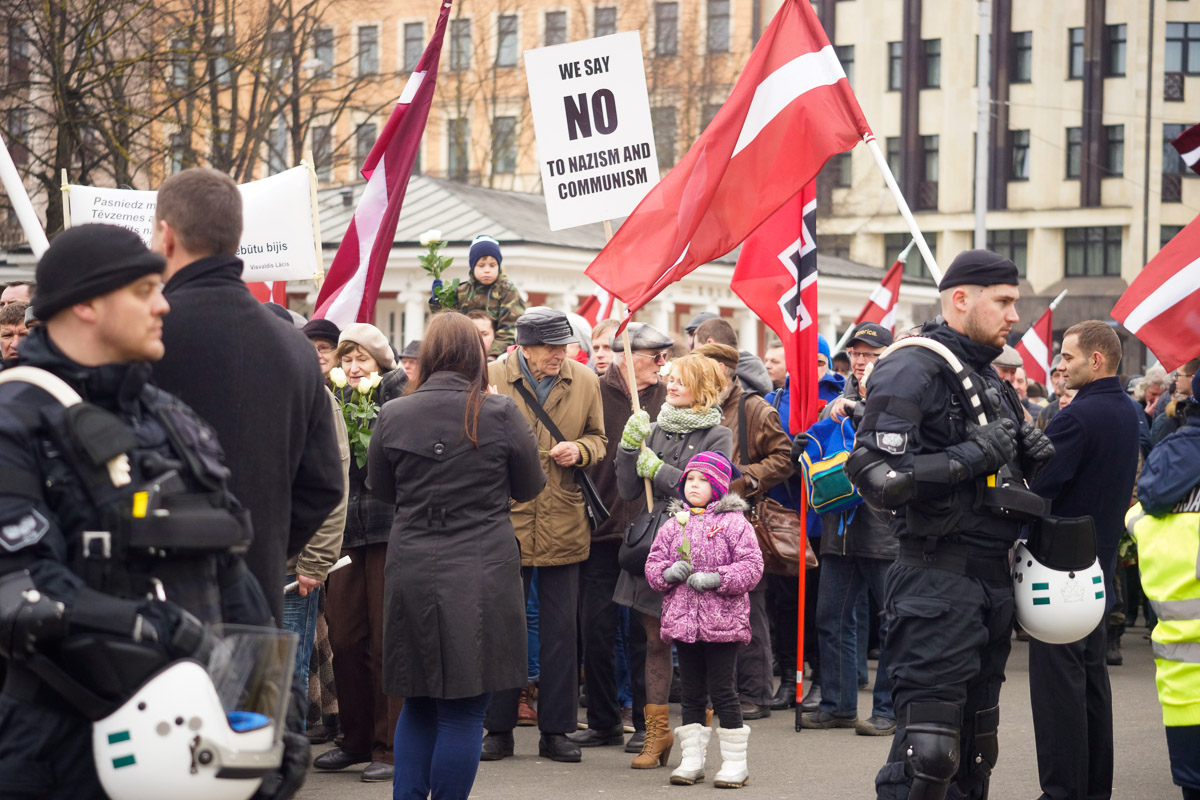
<point x="66" y="200"/>
<point x="316" y="216"/>
<point x="630" y="379"/>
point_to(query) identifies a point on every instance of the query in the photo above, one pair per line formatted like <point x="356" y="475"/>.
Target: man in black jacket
<point x="1096" y="454"/>
<point x="249" y="374"/>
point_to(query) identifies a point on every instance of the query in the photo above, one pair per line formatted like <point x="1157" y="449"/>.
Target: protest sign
<point x="591" y="116"/>
<point x="277" y="230"/>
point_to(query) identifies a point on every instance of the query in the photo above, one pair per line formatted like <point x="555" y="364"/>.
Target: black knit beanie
<point x="88" y="261"/>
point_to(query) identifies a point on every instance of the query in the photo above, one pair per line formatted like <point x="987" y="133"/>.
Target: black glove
<point x="172" y="627"/>
<point x="285" y="783"/>
<point x="997" y="444"/>
<point x="1036" y="450"/>
<point x="798" y="445"/>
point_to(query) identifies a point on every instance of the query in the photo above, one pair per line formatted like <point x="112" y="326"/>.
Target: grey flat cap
<point x="543" y="325"/>
<point x="412" y="349"/>
<point x="698" y="320"/>
<point x="1057" y="360"/>
<point x="1009" y="358"/>
<point x="644" y="337"/>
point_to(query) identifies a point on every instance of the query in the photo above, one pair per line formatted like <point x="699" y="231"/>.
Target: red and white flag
<point x="1188" y="145"/>
<point x="352" y="285"/>
<point x="881" y="305"/>
<point x="1034" y="348"/>
<point x="596" y="307"/>
<point x="776" y="276"/>
<point x="275" y="292"/>
<point x="789" y="112"/>
<point x="1162" y="305"/>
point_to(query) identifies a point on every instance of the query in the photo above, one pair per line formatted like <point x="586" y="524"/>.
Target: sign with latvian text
<point x="277" y="230"/>
<point x="591" y="116"/>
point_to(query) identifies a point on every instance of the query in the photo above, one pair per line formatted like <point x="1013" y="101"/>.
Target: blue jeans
<point x="531" y="627"/>
<point x="622" y="657"/>
<point x="437" y="747"/>
<point x="300" y="617"/>
<point x="842" y="581"/>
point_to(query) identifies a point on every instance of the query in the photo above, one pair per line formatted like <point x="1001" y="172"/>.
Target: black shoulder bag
<point x="597" y="512"/>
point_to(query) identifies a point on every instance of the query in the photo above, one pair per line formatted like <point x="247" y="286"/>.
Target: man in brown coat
<point x="764" y="461"/>
<point x="599" y="615"/>
<point x="552" y="529"/>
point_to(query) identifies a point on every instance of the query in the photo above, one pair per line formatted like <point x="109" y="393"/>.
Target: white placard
<point x="277" y="230"/>
<point x="591" y="115"/>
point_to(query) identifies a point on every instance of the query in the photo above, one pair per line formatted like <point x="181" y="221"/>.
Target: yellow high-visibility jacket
<point x="1169" y="558"/>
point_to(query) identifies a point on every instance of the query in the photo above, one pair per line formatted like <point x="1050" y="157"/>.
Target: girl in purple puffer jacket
<point x="706" y="560"/>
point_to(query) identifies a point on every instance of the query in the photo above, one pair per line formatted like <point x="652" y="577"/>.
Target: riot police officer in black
<point x="951" y="485"/>
<point x="119" y="543"/>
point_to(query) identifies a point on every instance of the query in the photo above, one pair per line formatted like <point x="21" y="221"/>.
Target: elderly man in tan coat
<point x="553" y="528"/>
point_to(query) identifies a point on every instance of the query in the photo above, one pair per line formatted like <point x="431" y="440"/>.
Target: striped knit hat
<point x="715" y="466"/>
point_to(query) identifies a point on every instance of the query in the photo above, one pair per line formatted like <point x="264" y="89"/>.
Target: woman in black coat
<point x="448" y="457"/>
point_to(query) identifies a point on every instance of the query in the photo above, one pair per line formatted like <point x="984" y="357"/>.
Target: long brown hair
<point x="452" y="344"/>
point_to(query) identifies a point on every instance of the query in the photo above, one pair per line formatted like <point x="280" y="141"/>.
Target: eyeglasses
<point x="863" y="354"/>
<point x="657" y="358"/>
<point x="323" y="348"/>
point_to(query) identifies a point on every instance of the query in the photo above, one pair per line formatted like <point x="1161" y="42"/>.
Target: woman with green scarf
<point x="689" y="423"/>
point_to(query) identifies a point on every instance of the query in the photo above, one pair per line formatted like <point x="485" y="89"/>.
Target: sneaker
<point x="875" y="725"/>
<point x="820" y="720"/>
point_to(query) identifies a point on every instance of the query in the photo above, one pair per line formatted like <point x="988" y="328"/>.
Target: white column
<point x="414" y="319"/>
<point x="747" y="328"/>
<point x="660" y="315"/>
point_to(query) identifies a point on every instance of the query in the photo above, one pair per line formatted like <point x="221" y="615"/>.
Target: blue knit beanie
<point x="483" y="245"/>
<point x="823" y="347"/>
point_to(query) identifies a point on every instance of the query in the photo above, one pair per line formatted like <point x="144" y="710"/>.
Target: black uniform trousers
<point x="45" y="753"/>
<point x="558" y="684"/>
<point x="1072" y="717"/>
<point x="599" y="618"/>
<point x="755" y="681"/>
<point x="948" y="640"/>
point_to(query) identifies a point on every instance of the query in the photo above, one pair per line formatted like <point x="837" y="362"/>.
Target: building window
<point x="895" y="65"/>
<point x="893" y="156"/>
<point x="224" y="72"/>
<point x="504" y="146"/>
<point x="1114" y="149"/>
<point x="364" y="140"/>
<point x="180" y="63"/>
<point x="1092" y="251"/>
<point x="1166" y="233"/>
<point x="1075" y="53"/>
<point x="606" y="21"/>
<point x="506" y="40"/>
<point x="414" y="44"/>
<point x="1020" y="155"/>
<point x="663" y="121"/>
<point x="322" y="52"/>
<point x="322" y="145"/>
<point x="556" y="27"/>
<point x="18" y="54"/>
<point x="931" y="63"/>
<point x="927" y="199"/>
<point x="1013" y="245"/>
<point x="840" y="167"/>
<point x="914" y="267"/>
<point x="1173" y="168"/>
<point x="1114" y="51"/>
<point x="666" y="29"/>
<point x="18" y="133"/>
<point x="460" y="43"/>
<point x="718" y="26"/>
<point x="368" y="50"/>
<point x="179" y="145"/>
<point x="833" y="244"/>
<point x="845" y="54"/>
<point x="277" y="148"/>
<point x="1183" y="47"/>
<point x="708" y="113"/>
<point x="458" y="142"/>
<point x="1021" y="70"/>
<point x="1074" y="151"/>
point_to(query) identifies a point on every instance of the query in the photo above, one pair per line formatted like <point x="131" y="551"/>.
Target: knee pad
<point x="931" y="749"/>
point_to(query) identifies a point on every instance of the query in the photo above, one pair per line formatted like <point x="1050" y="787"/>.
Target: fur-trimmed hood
<point x="730" y="502"/>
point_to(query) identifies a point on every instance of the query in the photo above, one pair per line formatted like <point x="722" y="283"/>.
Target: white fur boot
<point x="693" y="741"/>
<point x="733" y="773"/>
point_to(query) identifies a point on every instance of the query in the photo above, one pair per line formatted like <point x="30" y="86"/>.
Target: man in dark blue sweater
<point x="1096" y="452"/>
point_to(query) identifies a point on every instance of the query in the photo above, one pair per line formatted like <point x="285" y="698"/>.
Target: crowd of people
<point x="521" y="514"/>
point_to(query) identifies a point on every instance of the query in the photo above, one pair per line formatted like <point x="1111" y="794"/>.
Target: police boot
<point x="693" y="741"/>
<point x="931" y="752"/>
<point x="733" y="773"/>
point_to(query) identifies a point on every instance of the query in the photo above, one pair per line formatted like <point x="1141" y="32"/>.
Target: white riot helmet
<point x="191" y="733"/>
<point x="1057" y="581"/>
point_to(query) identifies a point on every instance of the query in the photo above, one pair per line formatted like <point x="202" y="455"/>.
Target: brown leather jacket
<point x="768" y="462"/>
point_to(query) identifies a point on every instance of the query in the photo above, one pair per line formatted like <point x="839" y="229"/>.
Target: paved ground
<point x="828" y="765"/>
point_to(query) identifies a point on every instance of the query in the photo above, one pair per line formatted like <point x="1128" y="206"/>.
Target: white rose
<point x="373" y="380"/>
<point x="430" y="236"/>
<point x="681" y="517"/>
<point x="337" y="377"/>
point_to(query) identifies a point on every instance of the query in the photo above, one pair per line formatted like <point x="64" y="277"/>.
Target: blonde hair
<point x="703" y="377"/>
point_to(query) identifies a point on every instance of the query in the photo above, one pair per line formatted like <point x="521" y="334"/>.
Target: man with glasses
<point x="598" y="614"/>
<point x="864" y="348"/>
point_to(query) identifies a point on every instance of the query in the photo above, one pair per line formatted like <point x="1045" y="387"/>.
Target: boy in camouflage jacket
<point x="489" y="289"/>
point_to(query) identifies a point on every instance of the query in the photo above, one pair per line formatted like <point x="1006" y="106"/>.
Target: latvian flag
<point x="1162" y="305"/>
<point x="596" y="307"/>
<point x="1034" y="348"/>
<point x="881" y="305"/>
<point x="1188" y="145"/>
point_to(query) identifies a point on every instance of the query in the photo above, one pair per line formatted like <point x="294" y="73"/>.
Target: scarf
<point x="683" y="420"/>
<point x="541" y="389"/>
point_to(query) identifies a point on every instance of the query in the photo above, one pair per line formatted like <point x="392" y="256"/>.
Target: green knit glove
<point x="648" y="464"/>
<point x="636" y="431"/>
